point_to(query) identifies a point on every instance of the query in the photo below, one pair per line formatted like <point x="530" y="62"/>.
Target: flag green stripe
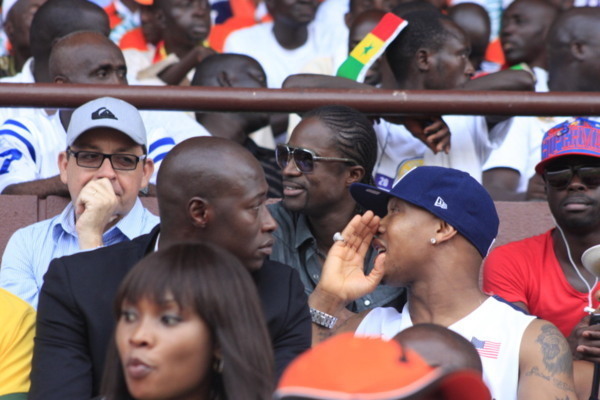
<point x="350" y="68"/>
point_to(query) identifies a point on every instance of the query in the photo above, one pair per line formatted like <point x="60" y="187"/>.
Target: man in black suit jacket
<point x="208" y="189"/>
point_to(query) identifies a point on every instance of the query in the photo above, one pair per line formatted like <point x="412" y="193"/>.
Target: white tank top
<point x="495" y="328"/>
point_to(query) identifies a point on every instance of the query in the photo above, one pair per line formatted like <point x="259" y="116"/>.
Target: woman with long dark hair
<point x="190" y="326"/>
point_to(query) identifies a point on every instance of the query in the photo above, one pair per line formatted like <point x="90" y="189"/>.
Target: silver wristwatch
<point x="322" y="319"/>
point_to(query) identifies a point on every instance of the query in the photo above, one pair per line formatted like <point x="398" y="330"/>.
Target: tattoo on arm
<point x="556" y="358"/>
<point x="555" y="351"/>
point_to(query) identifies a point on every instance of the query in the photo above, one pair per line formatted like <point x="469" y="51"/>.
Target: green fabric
<point x="350" y="68"/>
<point x="14" y="396"/>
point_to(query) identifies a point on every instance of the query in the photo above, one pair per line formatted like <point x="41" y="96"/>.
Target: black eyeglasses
<point x="92" y="159"/>
<point x="560" y="177"/>
<point x="303" y="158"/>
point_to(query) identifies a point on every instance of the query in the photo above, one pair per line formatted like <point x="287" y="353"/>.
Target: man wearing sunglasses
<point x="104" y="167"/>
<point x="544" y="274"/>
<point x="331" y="148"/>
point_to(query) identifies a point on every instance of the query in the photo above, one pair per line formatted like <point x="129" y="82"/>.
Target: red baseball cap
<point x="359" y="368"/>
<point x="572" y="137"/>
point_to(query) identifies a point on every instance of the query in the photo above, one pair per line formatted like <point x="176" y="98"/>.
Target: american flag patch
<point x="485" y="348"/>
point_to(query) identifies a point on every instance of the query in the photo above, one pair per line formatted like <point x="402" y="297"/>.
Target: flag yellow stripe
<point x="367" y="47"/>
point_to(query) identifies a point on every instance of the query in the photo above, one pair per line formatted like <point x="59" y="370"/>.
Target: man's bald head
<point x="58" y="18"/>
<point x="229" y="70"/>
<point x="573" y="47"/>
<point x="578" y="24"/>
<point x="18" y="24"/>
<point x="475" y="21"/>
<point x="205" y="167"/>
<point x="213" y="189"/>
<point x="78" y="56"/>
<point x="440" y="346"/>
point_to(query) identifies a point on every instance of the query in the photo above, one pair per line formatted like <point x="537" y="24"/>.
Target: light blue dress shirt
<point x="30" y="249"/>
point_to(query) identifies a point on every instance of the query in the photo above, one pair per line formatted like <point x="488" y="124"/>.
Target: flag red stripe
<point x="387" y="26"/>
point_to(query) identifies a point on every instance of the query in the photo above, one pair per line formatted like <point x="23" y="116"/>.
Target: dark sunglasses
<point x="560" y="178"/>
<point x="304" y="159"/>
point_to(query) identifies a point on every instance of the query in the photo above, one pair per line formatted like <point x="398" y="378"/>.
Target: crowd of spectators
<point x="366" y="237"/>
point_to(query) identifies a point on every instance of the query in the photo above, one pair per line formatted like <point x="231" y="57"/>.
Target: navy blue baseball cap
<point x="449" y="194"/>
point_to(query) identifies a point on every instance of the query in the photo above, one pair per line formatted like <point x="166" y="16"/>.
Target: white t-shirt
<point x="521" y="149"/>
<point x="259" y="42"/>
<point x="24" y="76"/>
<point x="29" y="149"/>
<point x="495" y="328"/>
<point x="398" y="151"/>
<point x="541" y="77"/>
<point x="332" y="12"/>
<point x="471" y="144"/>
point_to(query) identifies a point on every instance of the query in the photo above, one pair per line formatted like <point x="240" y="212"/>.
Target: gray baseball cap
<point x="107" y="112"/>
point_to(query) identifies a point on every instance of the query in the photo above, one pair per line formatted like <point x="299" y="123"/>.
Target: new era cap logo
<point x="439" y="202"/>
<point x="103" y="113"/>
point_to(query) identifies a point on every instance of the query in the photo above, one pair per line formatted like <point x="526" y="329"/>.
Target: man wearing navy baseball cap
<point x="544" y="274"/>
<point x="432" y="230"/>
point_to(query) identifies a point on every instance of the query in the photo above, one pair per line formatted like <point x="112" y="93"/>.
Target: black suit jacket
<point x="75" y="320"/>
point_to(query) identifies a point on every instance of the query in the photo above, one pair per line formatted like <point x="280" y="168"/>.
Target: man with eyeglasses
<point x="104" y="167"/>
<point x="208" y="189"/>
<point x="331" y="148"/>
<point x="82" y="57"/>
<point x="544" y="274"/>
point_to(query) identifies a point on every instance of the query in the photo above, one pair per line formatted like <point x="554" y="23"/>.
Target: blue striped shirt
<point x="30" y="249"/>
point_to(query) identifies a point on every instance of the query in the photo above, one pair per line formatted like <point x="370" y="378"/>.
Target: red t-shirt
<point x="528" y="271"/>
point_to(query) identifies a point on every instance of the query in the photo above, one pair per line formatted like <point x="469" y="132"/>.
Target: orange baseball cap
<point x="358" y="368"/>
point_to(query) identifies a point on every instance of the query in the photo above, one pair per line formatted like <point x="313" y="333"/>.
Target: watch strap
<point x="322" y="319"/>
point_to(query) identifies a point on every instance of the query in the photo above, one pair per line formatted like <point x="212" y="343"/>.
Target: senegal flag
<point x="371" y="47"/>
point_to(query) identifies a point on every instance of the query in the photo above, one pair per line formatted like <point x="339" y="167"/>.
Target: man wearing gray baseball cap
<point x="104" y="167"/>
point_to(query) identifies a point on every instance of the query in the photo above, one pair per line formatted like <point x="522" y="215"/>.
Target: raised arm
<point x="95" y="209"/>
<point x="431" y="130"/>
<point x="343" y="279"/>
<point x="175" y="73"/>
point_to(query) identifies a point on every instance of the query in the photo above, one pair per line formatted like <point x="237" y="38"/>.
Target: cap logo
<point x="439" y="202"/>
<point x="103" y="113"/>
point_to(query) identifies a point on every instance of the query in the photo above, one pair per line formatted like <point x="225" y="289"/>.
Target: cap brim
<point x="410" y="390"/>
<point x="539" y="168"/>
<point x="457" y="385"/>
<point x="371" y="198"/>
